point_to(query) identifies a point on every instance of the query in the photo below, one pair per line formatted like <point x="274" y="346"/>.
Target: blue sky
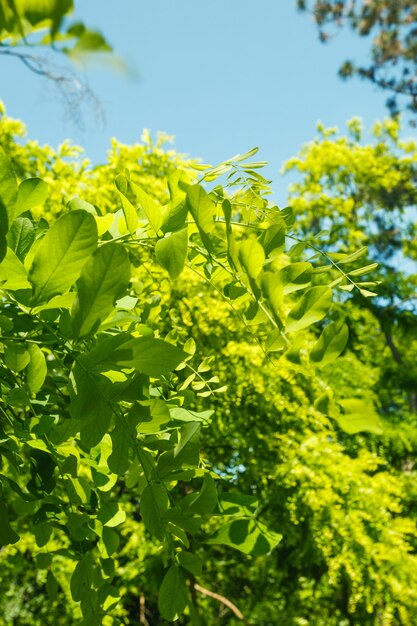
<point x="220" y="75"/>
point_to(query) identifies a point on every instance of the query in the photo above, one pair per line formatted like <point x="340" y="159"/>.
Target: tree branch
<point x="222" y="600"/>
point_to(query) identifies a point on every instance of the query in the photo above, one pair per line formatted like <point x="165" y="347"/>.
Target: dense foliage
<point x="208" y="403"/>
<point x="392" y="24"/>
<point x="127" y="464"/>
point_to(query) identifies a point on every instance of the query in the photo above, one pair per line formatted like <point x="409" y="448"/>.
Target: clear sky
<point x="220" y="75"/>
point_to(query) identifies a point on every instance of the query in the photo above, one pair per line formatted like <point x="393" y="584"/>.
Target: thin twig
<point x="223" y="600"/>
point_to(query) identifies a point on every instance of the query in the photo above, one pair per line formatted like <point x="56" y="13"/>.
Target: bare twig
<point x="222" y="600"/>
<point x="72" y="91"/>
<point x="142" y="611"/>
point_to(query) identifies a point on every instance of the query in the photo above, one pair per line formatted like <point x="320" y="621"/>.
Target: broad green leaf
<point x="111" y="515"/>
<point x="89" y="405"/>
<point x="8" y="192"/>
<point x="272" y="290"/>
<point x="201" y="208"/>
<point x="104" y="223"/>
<point x="82" y="579"/>
<point x="129" y="210"/>
<point x="57" y="302"/>
<point x="61" y="254"/>
<point x="295" y="276"/>
<point x="186" y="415"/>
<point x="37" y="369"/>
<point x="111" y="540"/>
<point x="18" y="397"/>
<point x="32" y="192"/>
<point x="247" y="535"/>
<point x="151" y="419"/>
<point x="186" y="453"/>
<point x="331" y="344"/>
<point x="149" y="206"/>
<point x="104" y="278"/>
<point x="77" y="204"/>
<point x="16" y="356"/>
<point x="358" y="416"/>
<point x="13" y="275"/>
<point x="288" y="216"/>
<point x="153" y="505"/>
<point x="251" y="256"/>
<point x="7" y="534"/>
<point x="171" y="252"/>
<point x="175" y="213"/>
<point x="148" y="355"/>
<point x="118" y="461"/>
<point x="173" y="595"/>
<point x="204" y="501"/>
<point x="21" y="236"/>
<point x="191" y="562"/>
<point x="236" y="504"/>
<point x="273" y="238"/>
<point x="312" y="307"/>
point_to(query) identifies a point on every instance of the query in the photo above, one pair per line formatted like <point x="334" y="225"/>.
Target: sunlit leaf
<point x="61" y="254"/>
<point x="104" y="278"/>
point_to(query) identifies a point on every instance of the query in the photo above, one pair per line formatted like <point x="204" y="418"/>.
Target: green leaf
<point x="331" y="344"/>
<point x="18" y="396"/>
<point x="153" y="505"/>
<point x="251" y="256"/>
<point x="363" y="270"/>
<point x="358" y="416"/>
<point x="201" y="208"/>
<point x="8" y="192"/>
<point x="273" y="293"/>
<point x="273" y="238"/>
<point x="57" y="302"/>
<point x="32" y="192"/>
<point x="104" y="278"/>
<point x="247" y="535"/>
<point x="77" y="203"/>
<point x="110" y="539"/>
<point x="7" y="534"/>
<point x="149" y="206"/>
<point x="16" y="356"/>
<point x="129" y="210"/>
<point x="81" y="579"/>
<point x="312" y="307"/>
<point x="37" y="369"/>
<point x="237" y="504"/>
<point x="118" y="461"/>
<point x="111" y="515"/>
<point x="191" y="562"/>
<point x="173" y="596"/>
<point x="171" y="252"/>
<point x="348" y="258"/>
<point x="175" y="214"/>
<point x="21" y="236"/>
<point x="204" y="501"/>
<point x="89" y="405"/>
<point x="295" y="276"/>
<point x="61" y="254"/>
<point x="13" y="275"/>
<point x="148" y="355"/>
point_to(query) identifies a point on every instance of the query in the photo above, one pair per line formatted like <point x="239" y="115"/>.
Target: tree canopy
<point x="207" y="402"/>
<point x="392" y="26"/>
